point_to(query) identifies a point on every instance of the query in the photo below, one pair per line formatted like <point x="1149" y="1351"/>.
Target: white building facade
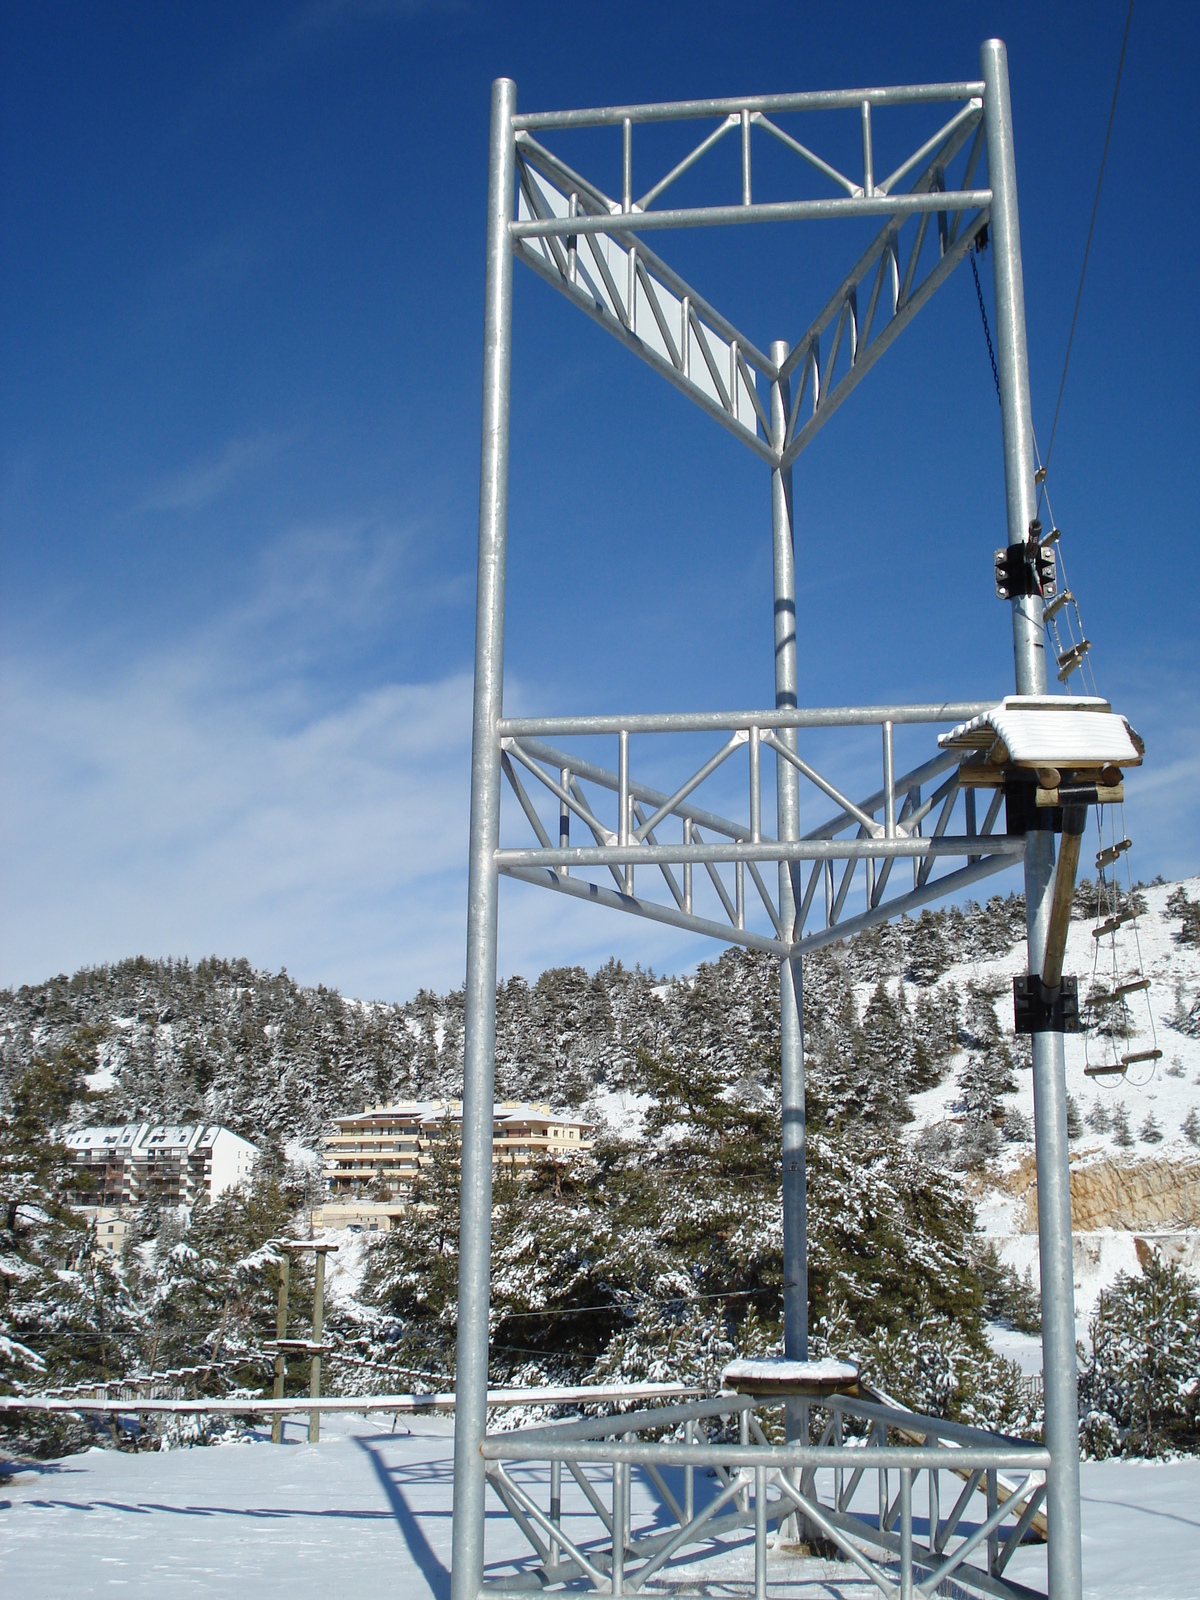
<point x="160" y="1163"/>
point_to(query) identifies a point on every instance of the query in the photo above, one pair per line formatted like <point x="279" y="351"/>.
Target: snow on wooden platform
<point x="776" y="1373"/>
<point x="370" y="1510"/>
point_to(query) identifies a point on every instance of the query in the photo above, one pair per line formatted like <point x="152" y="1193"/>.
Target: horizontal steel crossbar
<point x="732" y="721"/>
<point x="767" y="850"/>
<point x="804" y="100"/>
<point x="890" y="205"/>
<point x="511" y="1447"/>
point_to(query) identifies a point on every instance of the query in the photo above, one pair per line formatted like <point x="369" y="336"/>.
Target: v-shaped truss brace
<point x="590" y="247"/>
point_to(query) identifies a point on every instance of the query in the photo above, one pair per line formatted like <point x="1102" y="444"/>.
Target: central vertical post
<point x="791" y="993"/>
<point x="1065" y="1554"/>
<point x="479" y="1021"/>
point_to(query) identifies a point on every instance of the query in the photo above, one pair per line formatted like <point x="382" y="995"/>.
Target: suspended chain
<point x="981" y="244"/>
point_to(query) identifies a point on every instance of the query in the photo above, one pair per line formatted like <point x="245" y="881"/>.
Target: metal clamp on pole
<point x="1038" y="1008"/>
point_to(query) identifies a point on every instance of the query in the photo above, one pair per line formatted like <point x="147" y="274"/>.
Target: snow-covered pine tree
<point x="1139" y="1390"/>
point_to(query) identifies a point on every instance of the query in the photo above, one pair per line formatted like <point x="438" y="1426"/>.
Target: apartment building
<point x="387" y="1146"/>
<point x="159" y="1164"/>
<point x="111" y="1225"/>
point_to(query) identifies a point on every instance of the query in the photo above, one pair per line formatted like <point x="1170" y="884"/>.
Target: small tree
<point x="1074" y="1120"/>
<point x="1140" y="1390"/>
<point x="1191" y="1127"/>
<point x="1150" y="1132"/>
<point x="1122" y="1135"/>
<point x="1099" y="1118"/>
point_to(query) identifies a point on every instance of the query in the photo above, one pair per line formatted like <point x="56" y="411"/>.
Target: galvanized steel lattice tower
<point x="591" y="248"/>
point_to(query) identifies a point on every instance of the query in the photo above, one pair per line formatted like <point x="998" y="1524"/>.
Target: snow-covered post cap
<point x="777" y="1375"/>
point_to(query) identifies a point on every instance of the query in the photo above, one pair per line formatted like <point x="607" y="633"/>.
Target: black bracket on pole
<point x="1023" y="814"/>
<point x="1038" y="1009"/>
<point x="1028" y="568"/>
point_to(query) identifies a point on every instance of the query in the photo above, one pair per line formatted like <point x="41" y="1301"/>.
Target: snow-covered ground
<point x="371" y="1509"/>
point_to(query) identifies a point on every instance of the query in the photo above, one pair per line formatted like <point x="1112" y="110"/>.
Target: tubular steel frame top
<point x="589" y="246"/>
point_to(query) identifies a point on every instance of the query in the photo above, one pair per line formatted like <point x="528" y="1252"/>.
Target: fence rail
<point x="356" y="1405"/>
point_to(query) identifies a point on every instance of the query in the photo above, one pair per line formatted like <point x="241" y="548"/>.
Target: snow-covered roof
<point x="776" y="1372"/>
<point x="144" y="1136"/>
<point x="1050" y="731"/>
<point x="430" y="1111"/>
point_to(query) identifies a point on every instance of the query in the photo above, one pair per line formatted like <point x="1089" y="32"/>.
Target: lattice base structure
<point x="715" y="1472"/>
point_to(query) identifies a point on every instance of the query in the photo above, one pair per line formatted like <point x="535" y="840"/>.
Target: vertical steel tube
<point x="687" y="868"/>
<point x="623" y="808"/>
<point x="868" y="155"/>
<point x="889" y="783"/>
<point x="626" y="164"/>
<point x="791" y="984"/>
<point x="1012" y="356"/>
<point x="1065" y="1555"/>
<point x="620" y="1530"/>
<point x="479" y="1045"/>
<point x="906" y="1534"/>
<point x="564" y="818"/>
<point x="755" y="788"/>
<point x="745" y="158"/>
<point x="689" y="1476"/>
<point x="623" y="787"/>
<point x="555" y="1508"/>
<point x="760" y="1533"/>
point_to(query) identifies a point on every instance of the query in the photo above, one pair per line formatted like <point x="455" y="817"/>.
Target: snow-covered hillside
<point x="1135" y="1170"/>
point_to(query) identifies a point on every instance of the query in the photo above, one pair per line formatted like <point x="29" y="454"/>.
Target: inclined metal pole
<point x="1065" y="1558"/>
<point x="791" y="990"/>
<point x="281" y="1316"/>
<point x="318" y="1327"/>
<point x="479" y="1027"/>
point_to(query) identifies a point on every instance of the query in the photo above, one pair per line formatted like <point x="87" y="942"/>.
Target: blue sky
<point x="242" y="304"/>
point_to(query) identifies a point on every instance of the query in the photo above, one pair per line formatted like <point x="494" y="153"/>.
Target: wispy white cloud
<point x="205" y="481"/>
<point x="148" y="813"/>
<point x="222" y="793"/>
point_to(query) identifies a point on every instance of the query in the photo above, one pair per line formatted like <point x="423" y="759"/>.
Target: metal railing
<point x="136" y="1403"/>
<point x="997" y="1489"/>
